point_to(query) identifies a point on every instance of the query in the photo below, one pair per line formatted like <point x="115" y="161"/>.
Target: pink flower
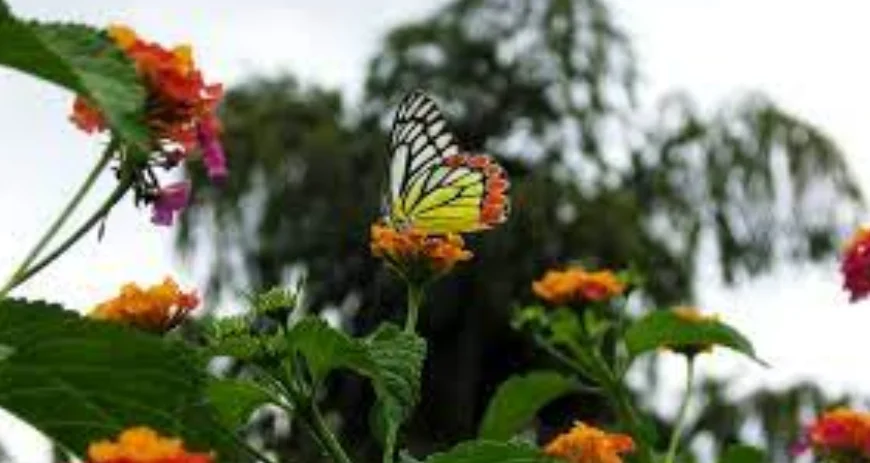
<point x="855" y="265"/>
<point x="212" y="151"/>
<point x="169" y="201"/>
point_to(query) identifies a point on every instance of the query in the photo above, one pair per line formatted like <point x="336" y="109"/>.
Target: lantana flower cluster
<point x="576" y="285"/>
<point x="144" y="445"/>
<point x="588" y="444"/>
<point x="158" y="308"/>
<point x="180" y="112"/>
<point x="839" y="435"/>
<point x="416" y="256"/>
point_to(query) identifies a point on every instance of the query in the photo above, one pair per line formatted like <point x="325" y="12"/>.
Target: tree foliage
<point x="549" y="87"/>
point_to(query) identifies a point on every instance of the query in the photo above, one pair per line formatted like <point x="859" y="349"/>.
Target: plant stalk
<point x="110" y="202"/>
<point x="415" y="300"/>
<point x="681" y="415"/>
<point x="61" y="219"/>
<point x="325" y="436"/>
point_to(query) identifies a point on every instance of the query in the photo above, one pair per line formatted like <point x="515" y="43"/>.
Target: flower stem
<point x="326" y="437"/>
<point x="113" y="199"/>
<point x="61" y="219"/>
<point x="681" y="415"/>
<point x="415" y="300"/>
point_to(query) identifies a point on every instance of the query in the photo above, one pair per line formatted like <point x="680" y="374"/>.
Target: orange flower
<point x="178" y="100"/>
<point x="855" y="265"/>
<point x="143" y="445"/>
<point x="839" y="435"/>
<point x="587" y="444"/>
<point x="158" y="308"/>
<point x="180" y="111"/>
<point x="416" y="256"/>
<point x="576" y="284"/>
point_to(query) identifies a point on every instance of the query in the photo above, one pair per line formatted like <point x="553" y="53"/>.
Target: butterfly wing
<point x="419" y="140"/>
<point x="432" y="185"/>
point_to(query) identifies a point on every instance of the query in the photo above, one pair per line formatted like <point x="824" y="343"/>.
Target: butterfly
<point x="434" y="186"/>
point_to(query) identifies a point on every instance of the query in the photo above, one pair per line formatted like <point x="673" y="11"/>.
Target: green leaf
<point x="325" y="349"/>
<point x="390" y="358"/>
<point x="4" y="10"/>
<point x="665" y="328"/>
<point x="84" y="60"/>
<point x="79" y="380"/>
<point x="519" y="399"/>
<point x="236" y="399"/>
<point x="743" y="454"/>
<point x="399" y="357"/>
<point x="483" y="451"/>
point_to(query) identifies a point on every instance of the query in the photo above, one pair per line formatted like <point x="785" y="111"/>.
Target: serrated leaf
<point x="235" y="400"/>
<point x="519" y="399"/>
<point x="664" y="328"/>
<point x="79" y="380"/>
<point x="325" y="349"/>
<point x="84" y="60"/>
<point x="399" y="358"/>
<point x="484" y="451"/>
<point x="390" y="358"/>
<point x="743" y="454"/>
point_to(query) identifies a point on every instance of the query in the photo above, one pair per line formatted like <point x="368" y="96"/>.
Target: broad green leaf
<point x="519" y="399"/>
<point x="84" y="60"/>
<point x="390" y="358"/>
<point x="743" y="454"/>
<point x="325" y="349"/>
<point x="664" y="328"/>
<point x="5" y="352"/>
<point x="236" y="399"/>
<point x="484" y="451"/>
<point x="78" y="380"/>
<point x="399" y="358"/>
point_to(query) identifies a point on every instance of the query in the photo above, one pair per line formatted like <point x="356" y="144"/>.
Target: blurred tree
<point x="549" y="87"/>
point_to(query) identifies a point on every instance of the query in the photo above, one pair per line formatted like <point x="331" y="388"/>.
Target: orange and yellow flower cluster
<point x="180" y="111"/>
<point x="416" y="256"/>
<point x="839" y="435"/>
<point x="158" y="308"/>
<point x="587" y="444"/>
<point x="575" y="284"/>
<point x="144" y="445"/>
<point x="855" y="265"/>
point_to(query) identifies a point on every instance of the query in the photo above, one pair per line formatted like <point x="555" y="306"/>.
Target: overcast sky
<point x="811" y="60"/>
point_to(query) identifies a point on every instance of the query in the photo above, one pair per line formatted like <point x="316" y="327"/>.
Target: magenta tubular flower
<point x="212" y="152"/>
<point x="170" y="200"/>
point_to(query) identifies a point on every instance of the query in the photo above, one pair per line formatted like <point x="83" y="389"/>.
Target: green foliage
<point x="233" y="337"/>
<point x="325" y="349"/>
<point x="484" y="451"/>
<point x="79" y="380"/>
<point x="391" y="358"/>
<point x="743" y="454"/>
<point x="277" y="302"/>
<point x="666" y="329"/>
<point x="519" y="399"/>
<point x="399" y="358"/>
<point x="236" y="399"/>
<point x="83" y="60"/>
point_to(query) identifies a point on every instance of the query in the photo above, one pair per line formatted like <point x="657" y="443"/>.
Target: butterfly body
<point x="435" y="187"/>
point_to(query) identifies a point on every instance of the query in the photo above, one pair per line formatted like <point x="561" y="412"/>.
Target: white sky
<point x="810" y="59"/>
